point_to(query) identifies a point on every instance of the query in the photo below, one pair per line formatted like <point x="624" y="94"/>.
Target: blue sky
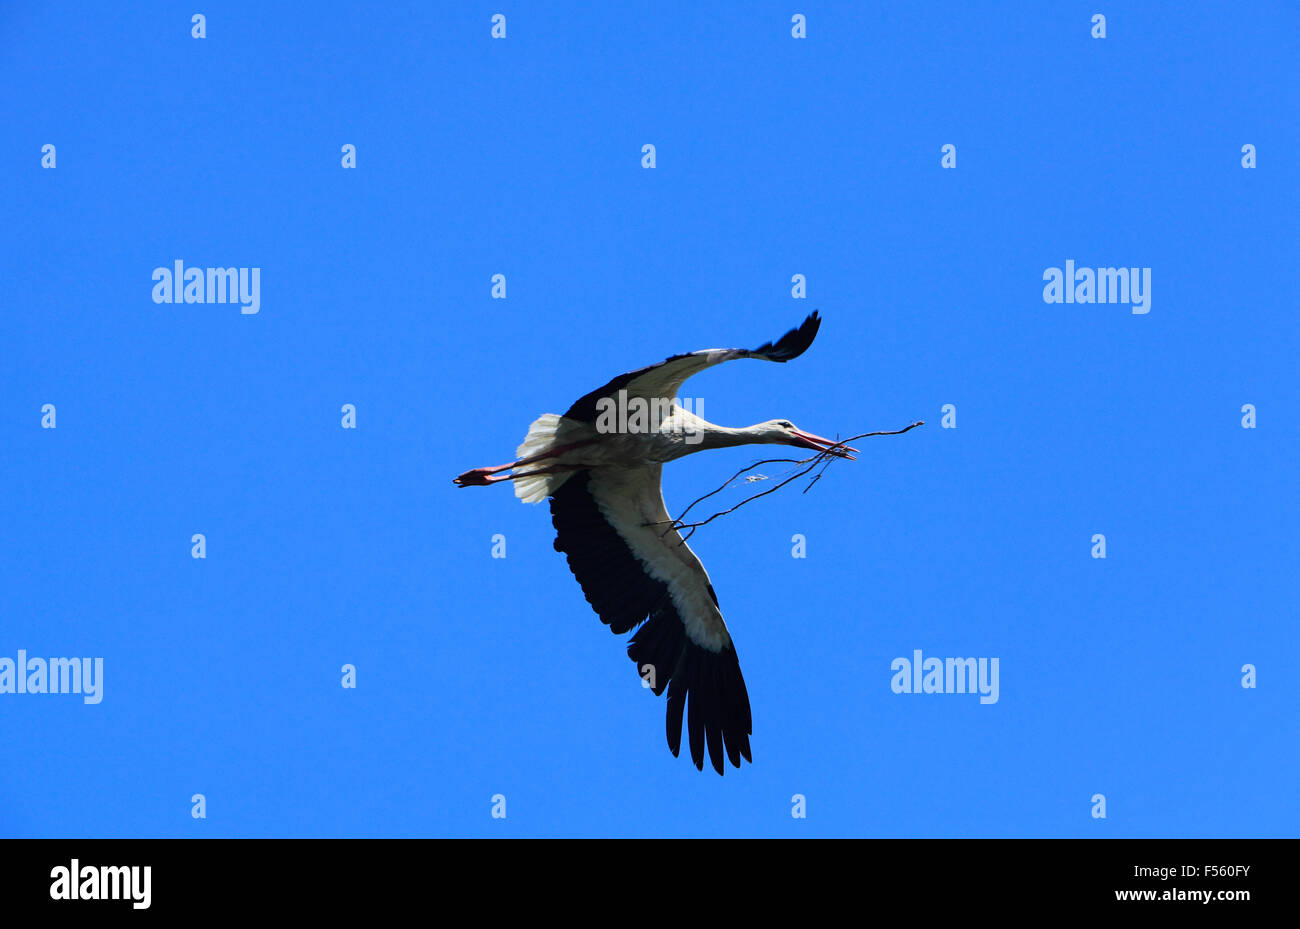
<point x="775" y="156"/>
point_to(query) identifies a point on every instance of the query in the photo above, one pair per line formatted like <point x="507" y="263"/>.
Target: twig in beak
<point x="823" y="459"/>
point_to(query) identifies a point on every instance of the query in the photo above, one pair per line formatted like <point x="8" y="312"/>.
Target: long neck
<point x="727" y="437"/>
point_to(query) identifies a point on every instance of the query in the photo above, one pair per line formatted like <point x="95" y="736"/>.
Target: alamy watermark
<point x="1102" y="285"/>
<point x="179" y="284"/>
<point x="919" y="675"/>
<point x="83" y="676"/>
<point x="642" y="415"/>
<point x="90" y="882"/>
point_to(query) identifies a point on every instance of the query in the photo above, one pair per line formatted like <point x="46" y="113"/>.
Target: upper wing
<point x="666" y="378"/>
<point x="633" y="567"/>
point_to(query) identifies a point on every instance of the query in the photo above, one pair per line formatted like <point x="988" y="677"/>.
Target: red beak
<point x="819" y="444"/>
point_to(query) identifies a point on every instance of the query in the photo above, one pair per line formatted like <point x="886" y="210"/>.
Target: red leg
<point x="481" y="477"/>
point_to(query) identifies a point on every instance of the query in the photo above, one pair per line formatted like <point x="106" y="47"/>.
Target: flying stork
<point x="633" y="565"/>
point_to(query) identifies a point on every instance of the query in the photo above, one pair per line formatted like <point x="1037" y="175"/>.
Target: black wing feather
<point x="623" y="595"/>
<point x="791" y="345"/>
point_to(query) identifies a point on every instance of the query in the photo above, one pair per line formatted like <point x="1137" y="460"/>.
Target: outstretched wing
<point x="665" y="379"/>
<point x="634" y="568"/>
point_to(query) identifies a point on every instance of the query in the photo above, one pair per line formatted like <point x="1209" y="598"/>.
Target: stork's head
<point x="784" y="432"/>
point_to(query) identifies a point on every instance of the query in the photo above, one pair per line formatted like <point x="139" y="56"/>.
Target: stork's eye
<point x="785" y="425"/>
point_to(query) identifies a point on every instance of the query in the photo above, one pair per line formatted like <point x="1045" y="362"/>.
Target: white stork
<point x="633" y="565"/>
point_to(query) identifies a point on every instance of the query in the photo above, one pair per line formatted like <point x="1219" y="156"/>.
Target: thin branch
<point x="821" y="460"/>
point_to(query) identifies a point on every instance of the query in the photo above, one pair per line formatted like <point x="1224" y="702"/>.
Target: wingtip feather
<point x="794" y="343"/>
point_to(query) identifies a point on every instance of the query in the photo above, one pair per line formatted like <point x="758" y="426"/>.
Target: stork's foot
<point x="480" y="477"/>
